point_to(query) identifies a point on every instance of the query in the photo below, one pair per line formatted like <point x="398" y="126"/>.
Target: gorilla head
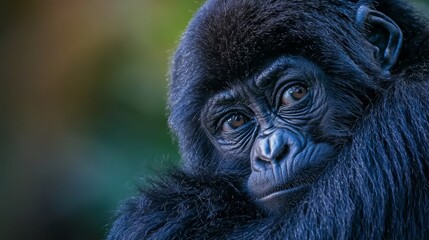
<point x="263" y="87"/>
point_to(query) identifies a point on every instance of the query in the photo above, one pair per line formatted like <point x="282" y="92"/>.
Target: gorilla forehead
<point x="232" y="38"/>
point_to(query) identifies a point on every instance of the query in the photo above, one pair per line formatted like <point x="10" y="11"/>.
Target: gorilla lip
<point x="282" y="193"/>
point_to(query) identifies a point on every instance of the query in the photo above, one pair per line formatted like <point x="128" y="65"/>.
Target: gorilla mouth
<point x="284" y="189"/>
<point x="284" y="196"/>
<point x="291" y="192"/>
<point x="281" y="201"/>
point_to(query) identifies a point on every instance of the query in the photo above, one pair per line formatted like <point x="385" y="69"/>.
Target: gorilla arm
<point x="184" y="206"/>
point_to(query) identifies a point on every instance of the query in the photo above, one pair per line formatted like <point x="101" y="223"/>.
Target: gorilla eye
<point x="234" y="121"/>
<point x="294" y="94"/>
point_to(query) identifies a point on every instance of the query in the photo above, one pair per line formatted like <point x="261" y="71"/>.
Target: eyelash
<point x="225" y="117"/>
<point x="278" y="93"/>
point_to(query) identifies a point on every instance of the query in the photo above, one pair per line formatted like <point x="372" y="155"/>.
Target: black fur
<point x="378" y="186"/>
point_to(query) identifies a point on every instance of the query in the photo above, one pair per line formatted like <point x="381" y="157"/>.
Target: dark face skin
<point x="272" y="119"/>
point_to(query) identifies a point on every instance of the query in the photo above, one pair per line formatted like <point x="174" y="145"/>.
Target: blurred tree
<point x="83" y="109"/>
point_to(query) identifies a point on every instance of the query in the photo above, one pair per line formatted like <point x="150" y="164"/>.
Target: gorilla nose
<point x="269" y="150"/>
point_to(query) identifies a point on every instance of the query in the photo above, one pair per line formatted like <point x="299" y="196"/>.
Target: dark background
<point x="82" y="109"/>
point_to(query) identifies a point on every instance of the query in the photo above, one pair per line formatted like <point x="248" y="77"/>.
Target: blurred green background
<point x="83" y="109"/>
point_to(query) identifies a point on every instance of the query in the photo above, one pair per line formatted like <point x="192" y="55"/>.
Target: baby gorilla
<point x="295" y="119"/>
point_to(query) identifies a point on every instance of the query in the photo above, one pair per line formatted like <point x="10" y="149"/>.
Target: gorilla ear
<point x="383" y="34"/>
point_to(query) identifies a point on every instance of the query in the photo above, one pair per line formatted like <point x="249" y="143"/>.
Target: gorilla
<point x="295" y="120"/>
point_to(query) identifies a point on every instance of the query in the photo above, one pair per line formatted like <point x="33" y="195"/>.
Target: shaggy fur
<point x="378" y="184"/>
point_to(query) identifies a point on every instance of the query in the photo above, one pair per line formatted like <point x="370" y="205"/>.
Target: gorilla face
<point x="274" y="118"/>
<point x="287" y="119"/>
<point x="277" y="97"/>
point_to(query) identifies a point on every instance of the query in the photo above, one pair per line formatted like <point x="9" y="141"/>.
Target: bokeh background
<point x="82" y="109"/>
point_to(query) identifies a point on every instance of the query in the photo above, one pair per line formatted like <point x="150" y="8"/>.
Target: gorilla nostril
<point x="281" y="153"/>
<point x="273" y="155"/>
